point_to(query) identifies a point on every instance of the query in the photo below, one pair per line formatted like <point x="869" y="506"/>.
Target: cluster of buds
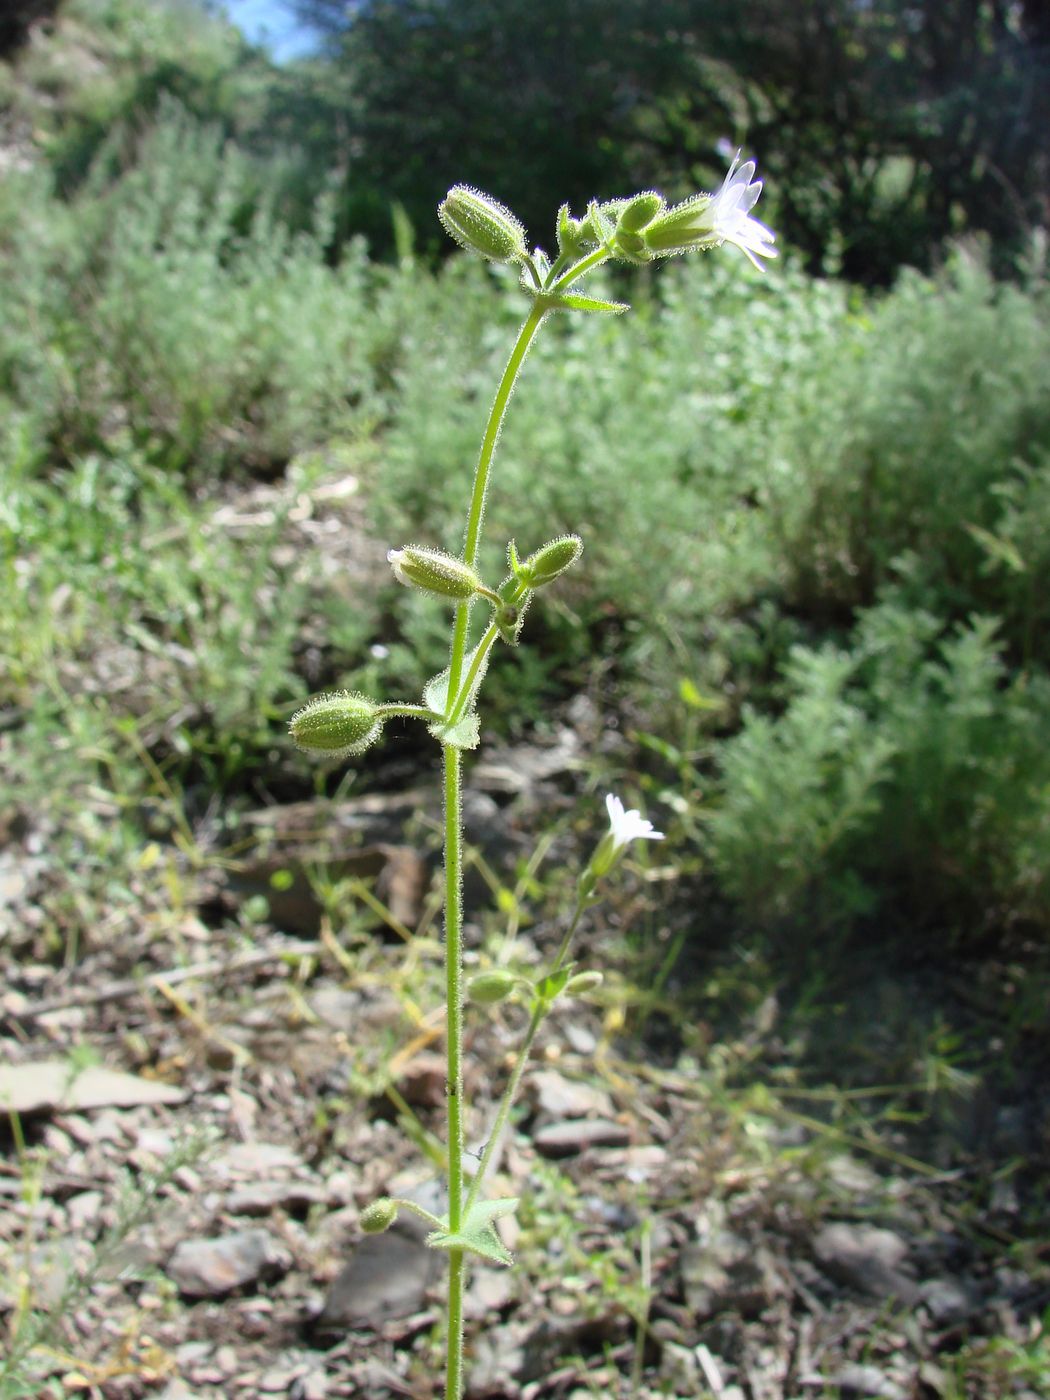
<point x="345" y="723"/>
<point x="634" y="230"/>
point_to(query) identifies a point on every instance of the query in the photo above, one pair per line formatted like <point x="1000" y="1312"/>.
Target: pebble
<point x="559" y="1098"/>
<point x="577" y="1135"/>
<point x="264" y="1196"/>
<point x="866" y="1258"/>
<point x="212" y="1268"/>
<point x="257" y="1159"/>
<point x="387" y="1277"/>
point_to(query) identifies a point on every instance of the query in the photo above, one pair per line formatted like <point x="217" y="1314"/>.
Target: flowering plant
<point x="634" y="230"/>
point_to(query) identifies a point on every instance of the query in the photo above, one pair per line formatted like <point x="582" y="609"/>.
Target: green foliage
<point x="173" y="305"/>
<point x="811" y="484"/>
<point x="924" y="455"/>
<point x="883" y="128"/>
<point x="907" y="771"/>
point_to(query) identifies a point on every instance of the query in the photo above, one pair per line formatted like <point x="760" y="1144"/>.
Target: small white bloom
<point x="731" y="213"/>
<point x="709" y="220"/>
<point x="626" y="827"/>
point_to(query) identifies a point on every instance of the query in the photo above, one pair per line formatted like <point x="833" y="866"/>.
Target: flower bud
<point x="434" y="572"/>
<point x="550" y="560"/>
<point x="575" y="236"/>
<point x="640" y="211"/>
<point x="379" y="1216"/>
<point x="582" y="983"/>
<point x="487" y="988"/>
<point x="336" y="725"/>
<point x="481" y="225"/>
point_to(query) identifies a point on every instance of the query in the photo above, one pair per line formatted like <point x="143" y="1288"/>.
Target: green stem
<point x="588" y="264"/>
<point x="454" y="1079"/>
<point x="388" y="711"/>
<point x="454" y="839"/>
<point x="483" y="649"/>
<point x="481" y="479"/>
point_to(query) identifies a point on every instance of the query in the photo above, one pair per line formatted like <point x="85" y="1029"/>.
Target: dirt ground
<point x="741" y="1198"/>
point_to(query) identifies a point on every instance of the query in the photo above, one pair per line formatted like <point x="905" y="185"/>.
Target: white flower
<point x="731" y="213"/>
<point x="709" y="220"/>
<point x="625" y="827"/>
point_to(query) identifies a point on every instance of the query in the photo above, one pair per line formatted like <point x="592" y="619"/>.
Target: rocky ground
<point x="750" y="1184"/>
<point x="201" y="1120"/>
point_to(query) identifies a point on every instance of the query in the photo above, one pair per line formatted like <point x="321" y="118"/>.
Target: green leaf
<point x="464" y="734"/>
<point x="997" y="549"/>
<point x="695" y="699"/>
<point x="476" y="1234"/>
<point x="569" y="301"/>
<point x="435" y="692"/>
<point x="552" y="986"/>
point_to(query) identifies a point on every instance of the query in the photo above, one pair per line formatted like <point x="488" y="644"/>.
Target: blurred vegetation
<point x="817" y="518"/>
<point x="882" y="128"/>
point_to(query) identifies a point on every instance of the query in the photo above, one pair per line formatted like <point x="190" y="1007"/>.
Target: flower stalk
<point x="634" y="230"/>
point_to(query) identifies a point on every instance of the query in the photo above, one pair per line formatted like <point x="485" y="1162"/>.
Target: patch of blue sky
<point x="274" y="25"/>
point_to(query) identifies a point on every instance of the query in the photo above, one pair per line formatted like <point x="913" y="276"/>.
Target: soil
<point x="716" y="1198"/>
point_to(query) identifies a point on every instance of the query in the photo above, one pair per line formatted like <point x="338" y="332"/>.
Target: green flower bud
<point x="336" y="725"/>
<point x="487" y="988"/>
<point x="379" y="1216"/>
<point x="640" y="211"/>
<point x="582" y="983"/>
<point x="575" y="236"/>
<point x="481" y="225"/>
<point x="550" y="560"/>
<point x="434" y="572"/>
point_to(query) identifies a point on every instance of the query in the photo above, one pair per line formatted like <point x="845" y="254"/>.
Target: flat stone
<point x="559" y="1098"/>
<point x="212" y="1268"/>
<point x="264" y="1196"/>
<point x="257" y="1159"/>
<point x="387" y="1277"/>
<point x="577" y="1135"/>
<point x="56" y="1086"/>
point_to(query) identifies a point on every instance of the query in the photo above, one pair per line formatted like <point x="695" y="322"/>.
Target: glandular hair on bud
<point x="550" y="560"/>
<point x="336" y="725"/>
<point x="434" y="572"/>
<point x="379" y="1216"/>
<point x="640" y="211"/>
<point x="487" y="988"/>
<point x="482" y="225"/>
<point x="582" y="983"/>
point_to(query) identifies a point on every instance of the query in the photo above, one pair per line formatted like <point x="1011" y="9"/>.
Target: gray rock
<point x="866" y="1258"/>
<point x="387" y="1277"/>
<point x="577" y="1135"/>
<point x="212" y="1268"/>
<point x="264" y="1196"/>
<point x="947" y="1301"/>
<point x="559" y="1098"/>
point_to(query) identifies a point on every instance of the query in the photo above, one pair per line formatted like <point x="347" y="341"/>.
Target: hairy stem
<point x="458" y="694"/>
<point x="454" y="1078"/>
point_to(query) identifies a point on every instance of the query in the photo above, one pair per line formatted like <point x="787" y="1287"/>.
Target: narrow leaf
<point x="569" y="301"/>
